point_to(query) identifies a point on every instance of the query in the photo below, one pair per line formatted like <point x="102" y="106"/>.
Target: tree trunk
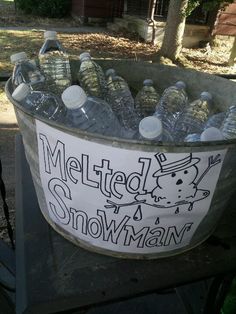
<point x="232" y="54"/>
<point x="174" y="29"/>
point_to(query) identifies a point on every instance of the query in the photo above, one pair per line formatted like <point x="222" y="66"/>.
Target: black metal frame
<point x="7" y="260"/>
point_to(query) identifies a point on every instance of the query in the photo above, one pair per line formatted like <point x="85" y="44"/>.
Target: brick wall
<point x="226" y="21"/>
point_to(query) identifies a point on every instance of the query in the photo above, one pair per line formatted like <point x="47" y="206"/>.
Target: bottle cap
<point x="74" y="97"/>
<point x="206" y="96"/>
<point x="232" y="108"/>
<point x="20" y="56"/>
<point x="50" y="35"/>
<point x="84" y="56"/>
<point x="110" y="72"/>
<point x="21" y="92"/>
<point x="148" y="82"/>
<point x="150" y="127"/>
<point x="180" y="85"/>
<point x="33" y="62"/>
<point x="211" y="134"/>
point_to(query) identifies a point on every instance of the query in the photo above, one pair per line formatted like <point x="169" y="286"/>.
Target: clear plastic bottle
<point x="193" y="118"/>
<point x="91" y="77"/>
<point x="120" y="81"/>
<point x="228" y="127"/>
<point x="173" y="101"/>
<point x="54" y="63"/>
<point x="42" y="103"/>
<point x="26" y="71"/>
<point x="121" y="101"/>
<point x="89" y="113"/>
<point x="150" y="128"/>
<point x="146" y="99"/>
<point x="215" y="120"/>
<point x="209" y="134"/>
<point x="195" y="137"/>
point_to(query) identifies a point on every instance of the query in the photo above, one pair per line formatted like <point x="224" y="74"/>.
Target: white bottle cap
<point x="232" y="108"/>
<point x="50" y="35"/>
<point x="84" y="56"/>
<point x="150" y="127"/>
<point x="180" y="85"/>
<point x="110" y="72"/>
<point x="21" y="92"/>
<point x="148" y="82"/>
<point x="20" y="56"/>
<point x="211" y="134"/>
<point x="206" y="96"/>
<point x="74" y="97"/>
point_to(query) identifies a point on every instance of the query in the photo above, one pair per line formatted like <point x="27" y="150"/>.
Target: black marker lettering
<point x="103" y="171"/>
<point x="73" y="164"/>
<point x="61" y="212"/>
<point x="55" y="157"/>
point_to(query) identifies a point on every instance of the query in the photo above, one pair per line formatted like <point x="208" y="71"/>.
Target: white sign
<point x="125" y="200"/>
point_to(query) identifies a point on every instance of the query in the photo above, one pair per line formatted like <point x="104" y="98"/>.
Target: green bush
<point x="48" y="8"/>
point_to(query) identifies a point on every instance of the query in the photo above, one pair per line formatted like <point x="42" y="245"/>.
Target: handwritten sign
<point x="125" y="200"/>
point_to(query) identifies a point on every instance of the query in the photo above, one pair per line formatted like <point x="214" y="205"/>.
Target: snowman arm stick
<point x="118" y="206"/>
<point x="211" y="163"/>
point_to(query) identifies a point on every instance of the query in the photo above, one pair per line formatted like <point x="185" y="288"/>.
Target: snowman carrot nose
<point x="179" y="182"/>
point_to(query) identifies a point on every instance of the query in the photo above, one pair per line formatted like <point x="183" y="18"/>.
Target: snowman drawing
<point x="182" y="176"/>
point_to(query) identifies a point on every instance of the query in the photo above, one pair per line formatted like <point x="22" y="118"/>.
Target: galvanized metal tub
<point x="132" y="199"/>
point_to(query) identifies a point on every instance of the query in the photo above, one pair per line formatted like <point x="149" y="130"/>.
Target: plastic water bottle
<point x="26" y="71"/>
<point x="173" y="101"/>
<point x="193" y="118"/>
<point x="146" y="99"/>
<point x="120" y="81"/>
<point x="228" y="127"/>
<point x="195" y="137"/>
<point x="210" y="134"/>
<point x="121" y="101"/>
<point x="89" y="113"/>
<point x="42" y="103"/>
<point x="54" y="63"/>
<point x="215" y="120"/>
<point x="151" y="128"/>
<point x="91" y="77"/>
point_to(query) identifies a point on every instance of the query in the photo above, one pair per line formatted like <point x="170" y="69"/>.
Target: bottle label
<point x="126" y="200"/>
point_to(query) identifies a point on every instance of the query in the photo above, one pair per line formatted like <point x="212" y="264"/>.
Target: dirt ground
<point x="108" y="44"/>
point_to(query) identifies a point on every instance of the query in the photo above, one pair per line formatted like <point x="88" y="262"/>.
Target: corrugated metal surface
<point x="135" y="73"/>
<point x="226" y="21"/>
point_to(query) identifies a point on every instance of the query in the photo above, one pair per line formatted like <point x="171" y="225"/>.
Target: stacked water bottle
<point x="103" y="103"/>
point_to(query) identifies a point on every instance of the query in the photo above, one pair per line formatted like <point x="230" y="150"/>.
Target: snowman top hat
<point x="167" y="167"/>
